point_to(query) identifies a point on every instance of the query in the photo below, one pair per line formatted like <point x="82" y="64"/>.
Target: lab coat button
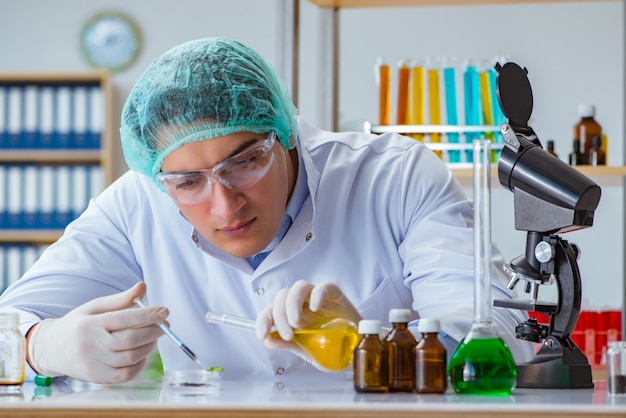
<point x="260" y="291"/>
<point x="280" y="371"/>
<point x="195" y="238"/>
<point x="309" y="236"/>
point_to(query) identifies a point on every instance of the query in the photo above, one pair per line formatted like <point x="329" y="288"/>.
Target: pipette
<point x="173" y="336"/>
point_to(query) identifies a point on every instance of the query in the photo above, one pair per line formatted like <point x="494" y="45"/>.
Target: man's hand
<point x="299" y="307"/>
<point x="100" y="341"/>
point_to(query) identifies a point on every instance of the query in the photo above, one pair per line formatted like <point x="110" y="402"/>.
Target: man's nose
<point x="225" y="201"/>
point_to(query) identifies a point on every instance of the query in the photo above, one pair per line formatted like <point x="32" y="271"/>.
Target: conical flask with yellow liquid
<point x="330" y="342"/>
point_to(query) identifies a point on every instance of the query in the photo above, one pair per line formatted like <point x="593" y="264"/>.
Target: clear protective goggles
<point x="239" y="171"/>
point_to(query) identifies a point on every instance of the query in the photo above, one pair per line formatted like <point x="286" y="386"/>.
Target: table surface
<point x="268" y="399"/>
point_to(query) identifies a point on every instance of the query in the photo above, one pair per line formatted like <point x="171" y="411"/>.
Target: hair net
<point x="199" y="90"/>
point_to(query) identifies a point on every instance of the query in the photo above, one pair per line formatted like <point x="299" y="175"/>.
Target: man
<point x="234" y="205"/>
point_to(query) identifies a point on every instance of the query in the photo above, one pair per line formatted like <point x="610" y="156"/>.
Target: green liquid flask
<point x="482" y="363"/>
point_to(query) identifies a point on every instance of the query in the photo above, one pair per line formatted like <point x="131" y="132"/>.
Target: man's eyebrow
<point x="243" y="146"/>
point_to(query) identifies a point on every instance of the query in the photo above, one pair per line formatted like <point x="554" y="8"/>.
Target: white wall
<point x="574" y="53"/>
<point x="43" y="35"/>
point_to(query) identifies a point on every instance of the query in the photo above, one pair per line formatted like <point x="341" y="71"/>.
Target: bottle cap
<point x="586" y="110"/>
<point x="370" y="326"/>
<point x="399" y="315"/>
<point x="428" y="325"/>
<point x="41" y="380"/>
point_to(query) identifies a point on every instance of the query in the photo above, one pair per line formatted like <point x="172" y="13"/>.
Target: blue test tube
<point x="471" y="98"/>
<point x="449" y="82"/>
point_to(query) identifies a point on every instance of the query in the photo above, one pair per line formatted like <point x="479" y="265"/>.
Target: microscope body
<point x="550" y="197"/>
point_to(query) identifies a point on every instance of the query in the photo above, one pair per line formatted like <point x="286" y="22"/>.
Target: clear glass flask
<point x="482" y="363"/>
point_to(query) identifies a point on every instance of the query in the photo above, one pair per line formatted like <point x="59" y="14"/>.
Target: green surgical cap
<point x="199" y="90"/>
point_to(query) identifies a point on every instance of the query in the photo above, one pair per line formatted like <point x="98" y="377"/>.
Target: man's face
<point x="240" y="222"/>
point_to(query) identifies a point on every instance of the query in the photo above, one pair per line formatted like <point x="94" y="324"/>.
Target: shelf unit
<point x="328" y="94"/>
<point x="63" y="125"/>
<point x="329" y="59"/>
<point x="600" y="173"/>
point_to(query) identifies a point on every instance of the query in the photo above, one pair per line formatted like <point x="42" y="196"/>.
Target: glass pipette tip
<point x="226" y="319"/>
<point x="173" y="336"/>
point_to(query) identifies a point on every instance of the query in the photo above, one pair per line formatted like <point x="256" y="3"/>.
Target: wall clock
<point x="110" y="40"/>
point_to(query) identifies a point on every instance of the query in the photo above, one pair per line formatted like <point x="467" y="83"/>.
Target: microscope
<point x="550" y="198"/>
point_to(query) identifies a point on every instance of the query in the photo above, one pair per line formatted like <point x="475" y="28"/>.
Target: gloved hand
<point x="100" y="341"/>
<point x="299" y="307"/>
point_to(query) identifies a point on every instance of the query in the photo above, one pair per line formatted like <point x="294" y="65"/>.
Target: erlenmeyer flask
<point x="331" y="343"/>
<point x="482" y="363"/>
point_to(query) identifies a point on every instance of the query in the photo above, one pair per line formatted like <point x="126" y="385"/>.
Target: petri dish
<point x="191" y="380"/>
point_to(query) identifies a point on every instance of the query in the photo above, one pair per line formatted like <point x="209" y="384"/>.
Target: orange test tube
<point x="383" y="80"/>
<point x="403" y="93"/>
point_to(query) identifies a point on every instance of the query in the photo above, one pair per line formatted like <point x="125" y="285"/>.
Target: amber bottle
<point x="576" y="157"/>
<point x="370" y="359"/>
<point x="550" y="148"/>
<point x="400" y="345"/>
<point x="586" y="128"/>
<point x="431" y="375"/>
<point x="597" y="156"/>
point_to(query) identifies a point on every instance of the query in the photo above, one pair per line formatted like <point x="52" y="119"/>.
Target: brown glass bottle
<point x="550" y="148"/>
<point x="576" y="157"/>
<point x="400" y="344"/>
<point x="370" y="359"/>
<point x="431" y="374"/>
<point x="586" y="129"/>
<point x="597" y="156"/>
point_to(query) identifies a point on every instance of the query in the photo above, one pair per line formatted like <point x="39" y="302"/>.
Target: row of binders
<point x="46" y="196"/>
<point x="51" y="116"/>
<point x="15" y="259"/>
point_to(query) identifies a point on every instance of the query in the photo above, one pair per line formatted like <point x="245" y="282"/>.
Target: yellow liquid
<point x="435" y="105"/>
<point x="331" y="345"/>
<point x="417" y="101"/>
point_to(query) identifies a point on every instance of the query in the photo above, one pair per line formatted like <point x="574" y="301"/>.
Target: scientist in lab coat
<point x="235" y="205"/>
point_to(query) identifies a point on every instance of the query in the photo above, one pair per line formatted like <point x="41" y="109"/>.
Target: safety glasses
<point x="239" y="171"/>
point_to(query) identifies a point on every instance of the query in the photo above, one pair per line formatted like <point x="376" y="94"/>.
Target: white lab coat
<point x="385" y="220"/>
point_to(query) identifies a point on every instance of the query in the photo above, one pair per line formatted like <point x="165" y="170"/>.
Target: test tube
<point x="471" y="99"/>
<point x="417" y="100"/>
<point x="487" y="105"/>
<point x="434" y="99"/>
<point x="449" y="82"/>
<point x="383" y="81"/>
<point x="403" y="92"/>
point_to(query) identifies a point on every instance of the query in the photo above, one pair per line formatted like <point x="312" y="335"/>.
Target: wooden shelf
<point x="343" y="4"/>
<point x="39" y="236"/>
<point x="101" y="156"/>
<point x="590" y="171"/>
<point x="51" y="156"/>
